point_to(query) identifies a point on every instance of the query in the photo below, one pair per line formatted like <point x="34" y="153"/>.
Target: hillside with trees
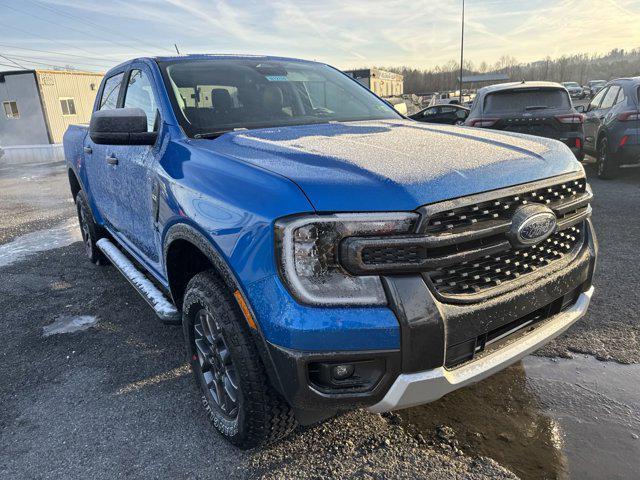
<point x="579" y="68"/>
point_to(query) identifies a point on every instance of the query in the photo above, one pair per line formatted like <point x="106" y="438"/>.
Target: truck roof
<point x="210" y="56"/>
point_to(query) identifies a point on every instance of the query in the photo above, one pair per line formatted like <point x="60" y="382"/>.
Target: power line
<point x="89" y="22"/>
<point x="10" y="65"/>
<point x="46" y="20"/>
<point x="48" y="51"/>
<point x="12" y="61"/>
<point x="22" y="57"/>
<point x="48" y="64"/>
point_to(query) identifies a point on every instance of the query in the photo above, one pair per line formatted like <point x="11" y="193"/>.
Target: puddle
<point x="546" y="418"/>
<point x="69" y="324"/>
<point x="20" y="248"/>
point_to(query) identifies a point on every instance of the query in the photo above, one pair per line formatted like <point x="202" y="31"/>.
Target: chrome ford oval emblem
<point x="531" y="224"/>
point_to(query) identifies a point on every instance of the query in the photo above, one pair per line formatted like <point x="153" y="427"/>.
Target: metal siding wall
<point x="56" y="85"/>
<point x="30" y="128"/>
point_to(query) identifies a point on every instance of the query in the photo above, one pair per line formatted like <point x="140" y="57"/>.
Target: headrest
<point x="272" y="99"/>
<point x="221" y="99"/>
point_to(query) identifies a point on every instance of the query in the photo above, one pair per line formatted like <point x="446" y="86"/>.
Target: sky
<point x="96" y="35"/>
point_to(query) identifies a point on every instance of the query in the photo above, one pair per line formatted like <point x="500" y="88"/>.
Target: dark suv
<point x="537" y="108"/>
<point x="612" y="126"/>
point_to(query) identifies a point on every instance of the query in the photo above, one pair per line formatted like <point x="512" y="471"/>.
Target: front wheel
<point x="607" y="166"/>
<point x="236" y="393"/>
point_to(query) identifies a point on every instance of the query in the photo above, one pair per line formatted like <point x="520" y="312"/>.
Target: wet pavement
<point x="109" y="395"/>
<point x="545" y="418"/>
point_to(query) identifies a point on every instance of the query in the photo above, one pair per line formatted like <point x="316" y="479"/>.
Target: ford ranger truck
<point x="322" y="252"/>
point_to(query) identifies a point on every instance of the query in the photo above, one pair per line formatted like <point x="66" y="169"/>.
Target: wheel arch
<point x="187" y="252"/>
<point x="74" y="183"/>
<point x="183" y="239"/>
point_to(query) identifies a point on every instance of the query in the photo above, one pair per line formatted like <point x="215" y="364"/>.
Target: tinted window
<point x="213" y="95"/>
<point x="522" y="100"/>
<point x="597" y="99"/>
<point x="139" y="94"/>
<point x="610" y="98"/>
<point x="429" y="112"/>
<point x="110" y="93"/>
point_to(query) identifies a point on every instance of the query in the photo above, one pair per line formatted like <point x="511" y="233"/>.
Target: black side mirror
<point x="580" y="108"/>
<point x="121" y="126"/>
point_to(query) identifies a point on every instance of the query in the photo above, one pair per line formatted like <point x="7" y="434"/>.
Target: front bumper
<point x="436" y="337"/>
<point x="411" y="389"/>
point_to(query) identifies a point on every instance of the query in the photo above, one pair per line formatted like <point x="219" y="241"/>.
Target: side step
<point x="165" y="310"/>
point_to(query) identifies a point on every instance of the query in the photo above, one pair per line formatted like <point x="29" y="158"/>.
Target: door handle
<point x="112" y="160"/>
<point x="88" y="150"/>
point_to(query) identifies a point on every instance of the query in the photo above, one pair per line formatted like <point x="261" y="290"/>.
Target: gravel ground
<point x="116" y="400"/>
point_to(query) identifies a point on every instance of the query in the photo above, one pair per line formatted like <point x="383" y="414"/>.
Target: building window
<point x="68" y="106"/>
<point x="11" y="109"/>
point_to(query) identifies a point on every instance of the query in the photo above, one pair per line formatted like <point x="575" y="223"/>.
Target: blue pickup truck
<point x="321" y="251"/>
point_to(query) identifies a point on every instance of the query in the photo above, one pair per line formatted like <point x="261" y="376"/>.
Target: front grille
<point x="479" y="224"/>
<point x="467" y="249"/>
<point x="490" y="271"/>
<point x="503" y="207"/>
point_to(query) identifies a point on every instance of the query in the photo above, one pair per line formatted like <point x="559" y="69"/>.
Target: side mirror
<point x="580" y="108"/>
<point x="121" y="126"/>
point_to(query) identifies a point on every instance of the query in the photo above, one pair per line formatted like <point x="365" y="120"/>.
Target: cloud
<point x="418" y="33"/>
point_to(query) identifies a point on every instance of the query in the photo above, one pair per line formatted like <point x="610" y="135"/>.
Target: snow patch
<point x="69" y="324"/>
<point x="39" y="241"/>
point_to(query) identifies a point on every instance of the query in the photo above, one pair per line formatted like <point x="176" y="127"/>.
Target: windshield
<point x="571" y="84"/>
<point x="522" y="100"/>
<point x="217" y="95"/>
<point x="597" y="83"/>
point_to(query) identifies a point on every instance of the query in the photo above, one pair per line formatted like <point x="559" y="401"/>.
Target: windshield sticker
<point x="277" y="78"/>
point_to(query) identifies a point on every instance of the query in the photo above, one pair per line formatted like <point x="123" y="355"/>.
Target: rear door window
<point x="522" y="100"/>
<point x="610" y="98"/>
<point x="110" y="92"/>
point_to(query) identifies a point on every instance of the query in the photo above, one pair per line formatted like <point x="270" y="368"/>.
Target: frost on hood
<point x="402" y="151"/>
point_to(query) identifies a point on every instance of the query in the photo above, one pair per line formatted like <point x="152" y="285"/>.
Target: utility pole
<point x="461" y="51"/>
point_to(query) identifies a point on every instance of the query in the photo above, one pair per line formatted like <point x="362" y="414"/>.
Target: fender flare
<point x="184" y="231"/>
<point x="189" y="233"/>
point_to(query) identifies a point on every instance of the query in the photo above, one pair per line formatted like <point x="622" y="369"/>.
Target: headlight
<point x="308" y="255"/>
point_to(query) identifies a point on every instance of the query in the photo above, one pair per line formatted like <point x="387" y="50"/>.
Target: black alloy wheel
<point x="217" y="373"/>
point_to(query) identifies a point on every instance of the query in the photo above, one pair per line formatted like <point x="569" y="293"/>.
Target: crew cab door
<point x="135" y="170"/>
<point x="593" y="119"/>
<point x="101" y="175"/>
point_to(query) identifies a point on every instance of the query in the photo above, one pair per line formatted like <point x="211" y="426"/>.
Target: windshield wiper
<point x="536" y="107"/>
<point x="217" y="133"/>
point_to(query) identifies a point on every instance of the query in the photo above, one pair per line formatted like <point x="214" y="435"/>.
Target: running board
<point x="165" y="310"/>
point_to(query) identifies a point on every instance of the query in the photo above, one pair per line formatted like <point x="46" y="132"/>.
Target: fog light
<point x="342" y="372"/>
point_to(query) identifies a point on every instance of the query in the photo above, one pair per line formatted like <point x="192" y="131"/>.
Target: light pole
<point x="461" y="51"/>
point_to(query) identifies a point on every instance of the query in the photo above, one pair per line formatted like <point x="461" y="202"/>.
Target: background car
<point x="449" y="114"/>
<point x="574" y="89"/>
<point x="536" y="108"/>
<point x="595" y="86"/>
<point x="612" y="126"/>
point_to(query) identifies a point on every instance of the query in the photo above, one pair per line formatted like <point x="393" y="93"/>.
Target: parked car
<point x="612" y="126"/>
<point x="574" y="89"/>
<point x="449" y="114"/>
<point x="537" y="108"/>
<point x="594" y="86"/>
<point x="322" y="252"/>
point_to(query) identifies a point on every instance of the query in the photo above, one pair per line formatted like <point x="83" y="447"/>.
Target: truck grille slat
<point x="476" y="278"/>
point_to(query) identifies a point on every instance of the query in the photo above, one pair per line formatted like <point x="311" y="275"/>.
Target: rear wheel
<point x="607" y="166"/>
<point x="236" y="393"/>
<point x="91" y="232"/>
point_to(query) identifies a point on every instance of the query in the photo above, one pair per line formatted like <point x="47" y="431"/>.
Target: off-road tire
<point x="607" y="167"/>
<point x="263" y="416"/>
<point x="91" y="232"/>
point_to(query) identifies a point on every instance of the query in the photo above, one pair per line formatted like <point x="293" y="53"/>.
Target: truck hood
<point x="394" y="165"/>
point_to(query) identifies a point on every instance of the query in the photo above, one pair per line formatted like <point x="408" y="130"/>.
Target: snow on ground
<point x="21" y="247"/>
